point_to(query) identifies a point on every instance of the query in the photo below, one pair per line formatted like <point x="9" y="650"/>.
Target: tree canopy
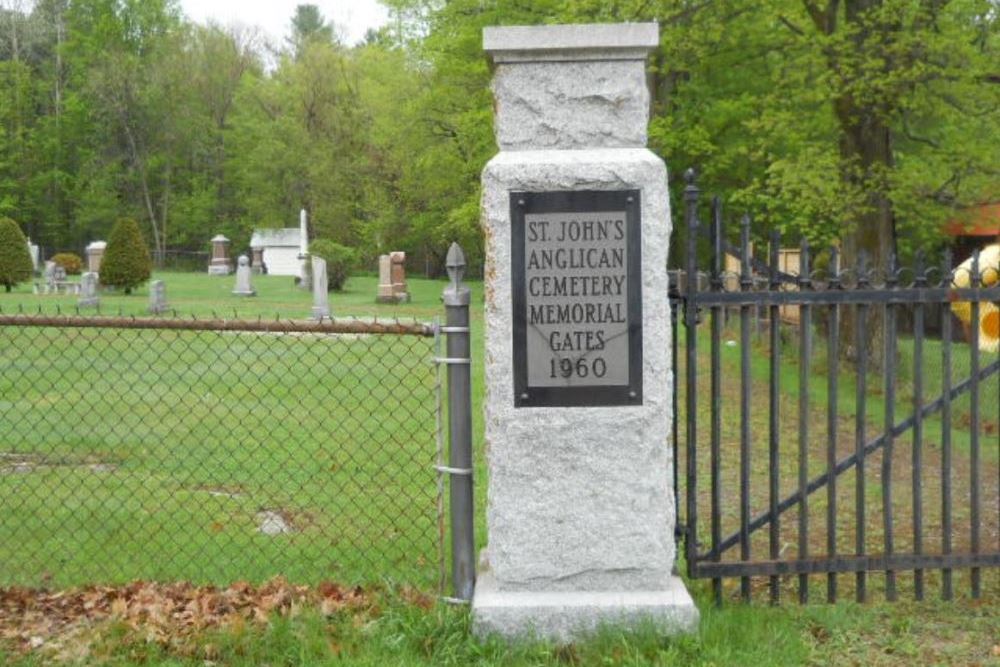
<point x="868" y="121"/>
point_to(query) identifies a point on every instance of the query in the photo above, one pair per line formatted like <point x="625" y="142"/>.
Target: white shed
<point x="279" y="249"/>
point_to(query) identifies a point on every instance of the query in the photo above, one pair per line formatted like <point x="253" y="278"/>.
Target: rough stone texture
<point x="571" y="105"/>
<point x="579" y="498"/>
<point x="566" y="616"/>
<point x="594" y="41"/>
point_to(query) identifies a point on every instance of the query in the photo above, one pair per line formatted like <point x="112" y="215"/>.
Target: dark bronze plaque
<point x="576" y="270"/>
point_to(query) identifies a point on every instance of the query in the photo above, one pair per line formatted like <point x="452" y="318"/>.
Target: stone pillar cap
<point x="220" y="239"/>
<point x="553" y="43"/>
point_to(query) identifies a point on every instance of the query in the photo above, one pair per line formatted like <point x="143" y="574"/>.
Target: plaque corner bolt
<point x="525" y="396"/>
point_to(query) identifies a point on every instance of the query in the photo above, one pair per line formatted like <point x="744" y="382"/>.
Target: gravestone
<point x="580" y="514"/>
<point x="385" y="291"/>
<point x="34" y="252"/>
<point x="95" y="254"/>
<point x="397" y="275"/>
<point x="305" y="273"/>
<point x="243" y="286"/>
<point x="46" y="283"/>
<point x="158" y="297"/>
<point x="257" y="260"/>
<point x="321" y="295"/>
<point x="220" y="264"/>
<point x="88" y="291"/>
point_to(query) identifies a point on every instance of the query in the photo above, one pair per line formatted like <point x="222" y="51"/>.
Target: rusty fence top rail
<point x="258" y="325"/>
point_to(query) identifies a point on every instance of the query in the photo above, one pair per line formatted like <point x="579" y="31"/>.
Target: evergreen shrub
<point x="340" y="261"/>
<point x="15" y="260"/>
<point x="126" y="263"/>
<point x="70" y="262"/>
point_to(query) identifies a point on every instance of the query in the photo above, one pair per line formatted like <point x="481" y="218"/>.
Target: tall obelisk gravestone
<point x="578" y="411"/>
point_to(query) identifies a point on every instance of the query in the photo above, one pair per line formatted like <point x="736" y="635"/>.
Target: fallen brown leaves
<point x="162" y="613"/>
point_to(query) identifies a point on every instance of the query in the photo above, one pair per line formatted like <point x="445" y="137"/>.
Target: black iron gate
<point x="863" y="403"/>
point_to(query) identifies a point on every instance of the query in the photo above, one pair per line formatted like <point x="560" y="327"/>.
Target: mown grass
<point x="123" y="533"/>
<point x="152" y="454"/>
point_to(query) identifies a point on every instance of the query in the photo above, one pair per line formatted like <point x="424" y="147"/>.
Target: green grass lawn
<point x="158" y="454"/>
<point x="151" y="455"/>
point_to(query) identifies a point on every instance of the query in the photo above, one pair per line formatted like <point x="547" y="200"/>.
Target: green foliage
<point x="15" y="260"/>
<point x="114" y="108"/>
<point x="340" y="261"/>
<point x="126" y="263"/>
<point x="70" y="262"/>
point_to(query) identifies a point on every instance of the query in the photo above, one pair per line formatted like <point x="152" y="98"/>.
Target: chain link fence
<point x="217" y="451"/>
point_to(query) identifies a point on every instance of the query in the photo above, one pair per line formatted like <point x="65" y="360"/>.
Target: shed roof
<point x="289" y="237"/>
<point x="982" y="220"/>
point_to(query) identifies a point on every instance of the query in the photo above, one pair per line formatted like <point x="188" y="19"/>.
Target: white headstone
<point x="580" y="512"/>
<point x="321" y="297"/>
<point x="33" y="251"/>
<point x="157" y="297"/>
<point x="243" y="286"/>
<point x="305" y="275"/>
<point x="88" y="291"/>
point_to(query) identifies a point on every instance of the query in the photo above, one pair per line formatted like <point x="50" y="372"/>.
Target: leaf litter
<point x="63" y="624"/>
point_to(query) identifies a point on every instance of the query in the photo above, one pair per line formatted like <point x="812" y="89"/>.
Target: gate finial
<point x="455" y="263"/>
<point x="456" y="294"/>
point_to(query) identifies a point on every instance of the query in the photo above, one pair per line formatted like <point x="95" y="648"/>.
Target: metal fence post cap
<point x="456" y="294"/>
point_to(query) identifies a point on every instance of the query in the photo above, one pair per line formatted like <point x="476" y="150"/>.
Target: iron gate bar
<point x="974" y="417"/>
<point x="860" y="437"/>
<point x="889" y="377"/>
<point x="746" y="283"/>
<point x="691" y="368"/>
<point x="833" y="372"/>
<point x="946" y="583"/>
<point x="898" y="295"/>
<point x="805" y="351"/>
<point x="848" y="462"/>
<point x="716" y="352"/>
<point x="774" y="405"/>
<point x="842" y="564"/>
<point x="918" y="432"/>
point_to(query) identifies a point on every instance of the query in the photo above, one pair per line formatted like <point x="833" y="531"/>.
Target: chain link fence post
<point x="458" y="361"/>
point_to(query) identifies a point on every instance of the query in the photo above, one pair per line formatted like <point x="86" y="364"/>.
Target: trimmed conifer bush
<point x="15" y="260"/>
<point x="71" y="262"/>
<point x="126" y="263"/>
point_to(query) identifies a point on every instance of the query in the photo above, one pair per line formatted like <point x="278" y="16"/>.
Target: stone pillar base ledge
<point x="563" y="616"/>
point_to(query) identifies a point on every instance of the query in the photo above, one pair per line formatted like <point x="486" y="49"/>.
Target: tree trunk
<point x="866" y="154"/>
